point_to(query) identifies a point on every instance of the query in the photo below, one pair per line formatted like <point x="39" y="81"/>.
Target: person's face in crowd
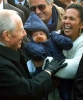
<point x="39" y="35"/>
<point x="15" y="38"/>
<point x="80" y="2"/>
<point x="5" y="0"/>
<point x="66" y="2"/>
<point x="39" y="63"/>
<point x="42" y="9"/>
<point x="74" y="1"/>
<point x="0" y="1"/>
<point x="72" y="23"/>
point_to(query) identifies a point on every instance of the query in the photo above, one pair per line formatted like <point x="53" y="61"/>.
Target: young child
<point x="44" y="44"/>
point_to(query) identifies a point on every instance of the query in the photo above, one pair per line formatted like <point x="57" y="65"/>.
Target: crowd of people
<point x="41" y="49"/>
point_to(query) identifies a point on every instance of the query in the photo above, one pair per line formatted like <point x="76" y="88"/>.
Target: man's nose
<point x="24" y="33"/>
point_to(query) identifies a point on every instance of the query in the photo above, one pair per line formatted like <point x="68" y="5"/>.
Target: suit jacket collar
<point x="7" y="6"/>
<point x="9" y="53"/>
<point x="26" y="2"/>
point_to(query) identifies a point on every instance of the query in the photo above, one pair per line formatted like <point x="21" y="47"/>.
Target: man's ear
<point x="6" y="35"/>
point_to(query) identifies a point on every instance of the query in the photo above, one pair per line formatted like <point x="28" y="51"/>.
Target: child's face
<point x="37" y="34"/>
<point x="38" y="64"/>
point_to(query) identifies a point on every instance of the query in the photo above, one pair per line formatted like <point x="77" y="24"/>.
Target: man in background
<point x="22" y="2"/>
<point x="5" y="5"/>
<point x="63" y="3"/>
<point x="25" y="9"/>
<point x="48" y="12"/>
<point x="80" y="2"/>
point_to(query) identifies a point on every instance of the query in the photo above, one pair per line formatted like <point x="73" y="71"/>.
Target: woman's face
<point x="71" y="23"/>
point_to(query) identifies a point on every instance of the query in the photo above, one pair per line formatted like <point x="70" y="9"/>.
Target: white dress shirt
<point x="17" y="2"/>
<point x="1" y="6"/>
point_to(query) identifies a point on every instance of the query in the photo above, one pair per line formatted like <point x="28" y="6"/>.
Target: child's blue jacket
<point x="52" y="47"/>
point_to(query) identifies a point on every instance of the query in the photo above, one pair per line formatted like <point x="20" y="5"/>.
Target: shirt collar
<point x="2" y="44"/>
<point x="17" y="2"/>
<point x="50" y="22"/>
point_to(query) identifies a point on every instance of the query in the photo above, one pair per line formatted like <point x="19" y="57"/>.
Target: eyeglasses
<point x="40" y="7"/>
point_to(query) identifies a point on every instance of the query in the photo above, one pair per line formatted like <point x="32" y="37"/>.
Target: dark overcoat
<point x="15" y="81"/>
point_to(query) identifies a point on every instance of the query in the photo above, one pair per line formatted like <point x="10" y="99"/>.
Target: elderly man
<point x="5" y="5"/>
<point x="15" y="80"/>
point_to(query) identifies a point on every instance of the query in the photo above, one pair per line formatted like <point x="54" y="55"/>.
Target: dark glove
<point x="55" y="65"/>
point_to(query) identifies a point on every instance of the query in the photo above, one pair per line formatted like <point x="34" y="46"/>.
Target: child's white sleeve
<point x="31" y="66"/>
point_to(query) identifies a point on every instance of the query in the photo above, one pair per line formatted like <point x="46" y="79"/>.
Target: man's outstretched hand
<point x="55" y="65"/>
